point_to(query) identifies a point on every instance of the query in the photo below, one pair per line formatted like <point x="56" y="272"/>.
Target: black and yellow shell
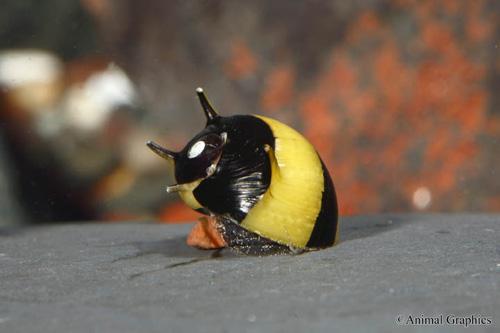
<point x="262" y="179"/>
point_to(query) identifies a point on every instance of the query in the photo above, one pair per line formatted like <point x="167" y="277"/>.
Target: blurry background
<point x="401" y="98"/>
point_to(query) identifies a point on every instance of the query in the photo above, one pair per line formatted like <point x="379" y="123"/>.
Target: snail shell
<point x="264" y="183"/>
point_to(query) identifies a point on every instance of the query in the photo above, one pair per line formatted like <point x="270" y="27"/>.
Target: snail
<point x="262" y="182"/>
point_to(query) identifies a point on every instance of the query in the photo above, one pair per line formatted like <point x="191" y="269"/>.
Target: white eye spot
<point x="196" y="149"/>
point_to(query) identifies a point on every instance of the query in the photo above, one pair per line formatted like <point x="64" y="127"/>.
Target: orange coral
<point x="278" y="90"/>
<point x="205" y="235"/>
<point x="242" y="61"/>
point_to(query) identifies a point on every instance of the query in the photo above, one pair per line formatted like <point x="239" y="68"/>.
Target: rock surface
<point x="141" y="277"/>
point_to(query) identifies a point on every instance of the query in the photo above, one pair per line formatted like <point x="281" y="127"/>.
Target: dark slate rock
<point x="141" y="277"/>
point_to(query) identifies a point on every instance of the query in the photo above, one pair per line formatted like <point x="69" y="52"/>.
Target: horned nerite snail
<point x="262" y="182"/>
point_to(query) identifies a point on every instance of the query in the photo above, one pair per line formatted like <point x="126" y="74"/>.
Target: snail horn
<point x="210" y="113"/>
<point x="162" y="152"/>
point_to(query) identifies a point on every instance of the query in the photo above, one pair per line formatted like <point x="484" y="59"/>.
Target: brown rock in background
<point x="399" y="97"/>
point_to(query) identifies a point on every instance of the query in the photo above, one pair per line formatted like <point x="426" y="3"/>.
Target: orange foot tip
<point x="205" y="235"/>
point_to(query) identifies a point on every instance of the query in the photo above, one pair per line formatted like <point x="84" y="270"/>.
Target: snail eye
<point x="196" y="149"/>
